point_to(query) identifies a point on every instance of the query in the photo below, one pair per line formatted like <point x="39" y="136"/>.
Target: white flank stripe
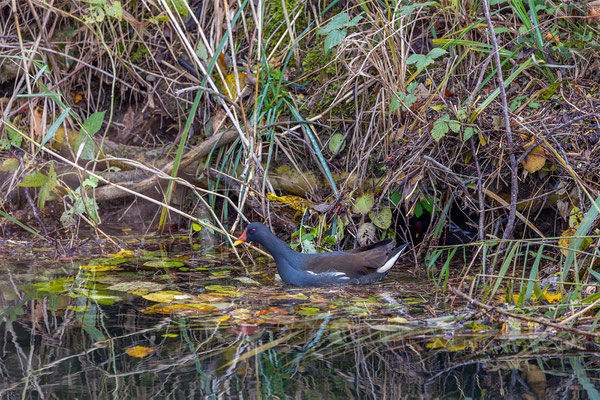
<point x="390" y="263"/>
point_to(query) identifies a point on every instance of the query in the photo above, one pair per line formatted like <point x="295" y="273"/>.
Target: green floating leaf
<point x="246" y="280"/>
<point x="164" y="264"/>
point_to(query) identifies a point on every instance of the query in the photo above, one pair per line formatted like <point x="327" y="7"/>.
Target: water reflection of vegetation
<point x="271" y="342"/>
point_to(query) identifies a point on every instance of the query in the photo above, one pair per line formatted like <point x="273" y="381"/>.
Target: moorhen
<point x="362" y="265"/>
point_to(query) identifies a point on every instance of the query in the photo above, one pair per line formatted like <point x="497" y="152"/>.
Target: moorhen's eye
<point x="252" y="230"/>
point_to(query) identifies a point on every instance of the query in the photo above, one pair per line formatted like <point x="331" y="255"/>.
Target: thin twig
<point x="555" y="325"/>
<point x="514" y="188"/>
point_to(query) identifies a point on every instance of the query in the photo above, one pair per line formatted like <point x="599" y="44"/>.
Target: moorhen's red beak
<point x="241" y="239"/>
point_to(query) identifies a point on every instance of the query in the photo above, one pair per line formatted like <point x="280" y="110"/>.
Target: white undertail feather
<point x="390" y="263"/>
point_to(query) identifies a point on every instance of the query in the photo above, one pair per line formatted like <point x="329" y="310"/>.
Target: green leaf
<point x="382" y="219"/>
<point x="354" y="21"/>
<point x="339" y="229"/>
<point x="436" y="52"/>
<point x="396" y="197"/>
<point x="455" y="126"/>
<point x="469" y="131"/>
<point x="410" y="8"/>
<point x="420" y="60"/>
<point x="439" y="130"/>
<point x="334" y="38"/>
<point x="401" y="99"/>
<point x="88" y="151"/>
<point x="418" y="209"/>
<point x="163" y="264"/>
<point x="115" y="10"/>
<point x="364" y="203"/>
<point x="91" y="182"/>
<point x="179" y="6"/>
<point x="411" y="88"/>
<point x="395" y="102"/>
<point x="201" y="51"/>
<point x="426" y="203"/>
<point x="15" y="139"/>
<point x="409" y="99"/>
<point x="47" y="188"/>
<point x="337" y="143"/>
<point x="93" y="123"/>
<point x="34" y="180"/>
<point x="339" y="21"/>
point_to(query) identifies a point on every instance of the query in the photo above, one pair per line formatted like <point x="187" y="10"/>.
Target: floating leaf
<point x="222" y="289"/>
<point x="165" y="296"/>
<point x="364" y="203"/>
<point x="382" y="219"/>
<point x="163" y="264"/>
<point x="180" y="309"/>
<point x="98" y="268"/>
<point x="139" y="351"/>
<point x="246" y="280"/>
<point x="139" y="288"/>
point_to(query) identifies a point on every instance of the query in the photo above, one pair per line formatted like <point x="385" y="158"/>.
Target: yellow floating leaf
<point x="179" y="309"/>
<point x="165" y="296"/>
<point x="170" y="335"/>
<point x="535" y="160"/>
<point x="122" y="254"/>
<point x="294" y="202"/>
<point x="437" y="343"/>
<point x="139" y="351"/>
<point x="397" y="320"/>
<point x="98" y="268"/>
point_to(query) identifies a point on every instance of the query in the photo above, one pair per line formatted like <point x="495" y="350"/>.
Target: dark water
<point x="65" y="333"/>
